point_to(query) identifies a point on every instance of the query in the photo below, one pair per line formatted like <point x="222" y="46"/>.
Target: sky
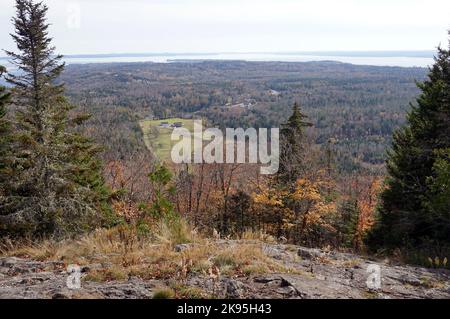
<point x="199" y="26"/>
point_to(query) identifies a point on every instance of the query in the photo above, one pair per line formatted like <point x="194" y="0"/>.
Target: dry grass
<point x="119" y="253"/>
<point x="259" y="236"/>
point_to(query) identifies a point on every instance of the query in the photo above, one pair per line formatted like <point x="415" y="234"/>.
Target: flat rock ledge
<point x="316" y="274"/>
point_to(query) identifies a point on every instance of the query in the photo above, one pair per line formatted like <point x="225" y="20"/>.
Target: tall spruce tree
<point x="293" y="146"/>
<point x="59" y="189"/>
<point x="5" y="137"/>
<point x="406" y="216"/>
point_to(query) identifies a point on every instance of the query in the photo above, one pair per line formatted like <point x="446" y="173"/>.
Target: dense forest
<point x="73" y="159"/>
<point x="367" y="102"/>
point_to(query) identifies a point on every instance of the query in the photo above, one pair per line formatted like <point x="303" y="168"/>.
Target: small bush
<point x="105" y="275"/>
<point x="223" y="260"/>
<point x="175" y="232"/>
<point x="164" y="293"/>
<point x="186" y="292"/>
<point x="429" y="255"/>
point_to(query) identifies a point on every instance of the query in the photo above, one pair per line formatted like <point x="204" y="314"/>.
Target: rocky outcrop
<point x="315" y="274"/>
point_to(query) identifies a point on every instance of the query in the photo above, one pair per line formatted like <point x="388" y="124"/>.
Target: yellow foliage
<point x="294" y="212"/>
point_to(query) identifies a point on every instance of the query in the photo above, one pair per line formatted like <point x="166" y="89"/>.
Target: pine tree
<point x="405" y="216"/>
<point x="239" y="206"/>
<point x="293" y="146"/>
<point x="348" y="221"/>
<point x="162" y="206"/>
<point x="5" y="137"/>
<point x="438" y="203"/>
<point x="59" y="188"/>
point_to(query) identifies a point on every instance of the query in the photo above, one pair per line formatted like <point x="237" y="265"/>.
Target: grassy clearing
<point x="119" y="253"/>
<point x="158" y="139"/>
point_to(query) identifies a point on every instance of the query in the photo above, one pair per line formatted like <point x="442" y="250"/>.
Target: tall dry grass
<point x="118" y="253"/>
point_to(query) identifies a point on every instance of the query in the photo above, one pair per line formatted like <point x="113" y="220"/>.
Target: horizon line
<point x="350" y="53"/>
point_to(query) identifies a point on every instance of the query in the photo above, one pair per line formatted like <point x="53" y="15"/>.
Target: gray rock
<point x="60" y="295"/>
<point x="4" y="270"/>
<point x="266" y="279"/>
<point x="10" y="261"/>
<point x="234" y="289"/>
<point x="182" y="247"/>
<point x="409" y="279"/>
<point x="338" y="276"/>
<point x="309" y="253"/>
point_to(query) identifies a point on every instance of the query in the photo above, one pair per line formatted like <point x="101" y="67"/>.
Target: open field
<point x="158" y="139"/>
<point x="367" y="103"/>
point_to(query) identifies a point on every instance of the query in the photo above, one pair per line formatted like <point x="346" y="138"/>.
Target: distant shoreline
<point x="369" y="58"/>
<point x="385" y="54"/>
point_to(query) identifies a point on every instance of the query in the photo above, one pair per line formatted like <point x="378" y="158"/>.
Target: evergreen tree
<point x="293" y="146"/>
<point x="438" y="203"/>
<point x="162" y="206"/>
<point x="347" y="224"/>
<point x="239" y="206"/>
<point x="5" y="137"/>
<point x="405" y="214"/>
<point x="59" y="188"/>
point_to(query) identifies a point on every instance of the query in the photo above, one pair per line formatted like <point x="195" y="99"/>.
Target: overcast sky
<point x="138" y="26"/>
